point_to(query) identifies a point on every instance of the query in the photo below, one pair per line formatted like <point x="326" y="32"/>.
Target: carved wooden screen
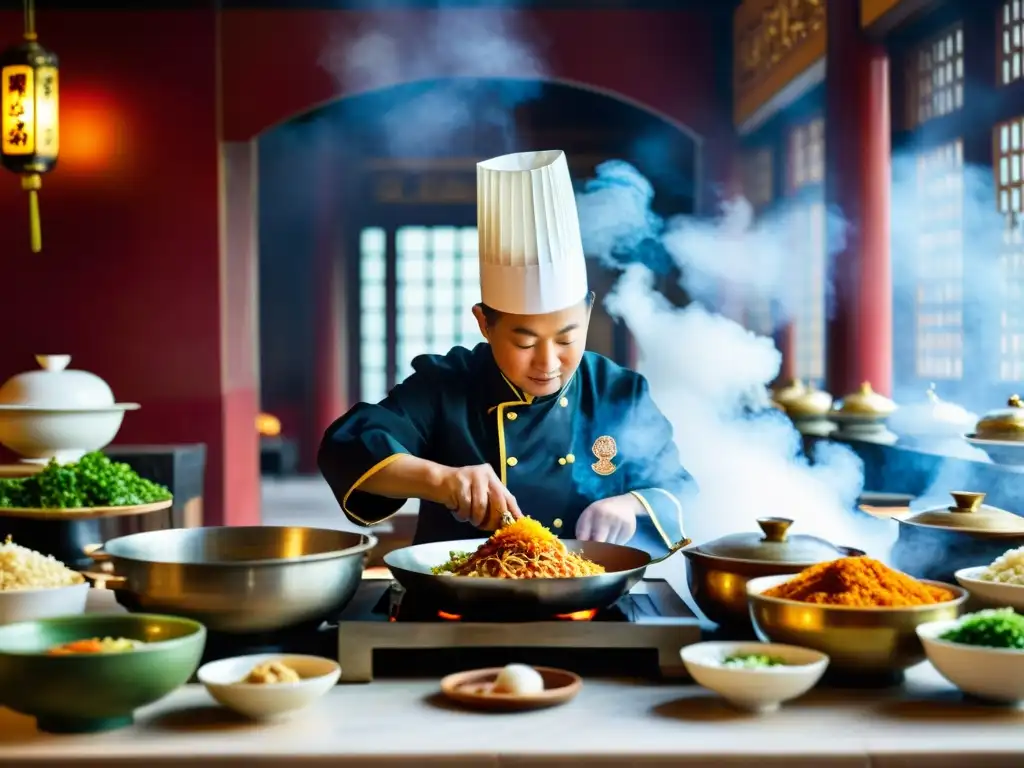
<point x="806" y="174"/>
<point x="939" y="263"/>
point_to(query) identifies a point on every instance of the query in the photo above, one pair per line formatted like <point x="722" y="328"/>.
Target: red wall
<point x="659" y="59"/>
<point x="133" y="281"/>
<point x="128" y="281"/>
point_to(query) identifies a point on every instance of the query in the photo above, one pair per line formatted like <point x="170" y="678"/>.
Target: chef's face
<point x="537" y="353"/>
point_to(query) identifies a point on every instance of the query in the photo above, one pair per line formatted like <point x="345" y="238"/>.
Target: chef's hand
<point x="612" y="520"/>
<point x="476" y="495"/>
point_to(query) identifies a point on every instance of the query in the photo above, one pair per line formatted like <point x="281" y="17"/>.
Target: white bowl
<point x="754" y="689"/>
<point x="994" y="593"/>
<point x="996" y="674"/>
<point x="261" y="701"/>
<point x="39" y="434"/>
<point x="31" y="604"/>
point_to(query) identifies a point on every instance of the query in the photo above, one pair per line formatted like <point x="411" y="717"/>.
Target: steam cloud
<point x="458" y="47"/>
<point x="709" y="374"/>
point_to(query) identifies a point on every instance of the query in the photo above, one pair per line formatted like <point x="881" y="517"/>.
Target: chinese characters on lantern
<point x="17" y="106"/>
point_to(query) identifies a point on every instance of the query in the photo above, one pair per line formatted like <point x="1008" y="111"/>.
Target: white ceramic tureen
<point x="58" y="413"/>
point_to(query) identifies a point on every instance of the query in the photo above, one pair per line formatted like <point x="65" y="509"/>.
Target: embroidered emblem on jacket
<point x="605" y="450"/>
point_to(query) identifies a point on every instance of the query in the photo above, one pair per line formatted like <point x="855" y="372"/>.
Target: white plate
<point x="261" y="701"/>
<point x="754" y="689"/>
<point x="994" y="593"/>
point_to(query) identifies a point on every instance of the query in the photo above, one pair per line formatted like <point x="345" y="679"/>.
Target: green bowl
<point x="95" y="692"/>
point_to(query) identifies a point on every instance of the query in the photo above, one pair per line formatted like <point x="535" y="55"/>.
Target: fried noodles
<point x="524" y="549"/>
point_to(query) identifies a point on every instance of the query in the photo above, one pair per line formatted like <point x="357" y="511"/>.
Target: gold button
<point x="512" y="415"/>
<point x="512" y="461"/>
<point x="557" y="522"/>
<point x="570" y="458"/>
<point x="561" y="461"/>
<point x="564" y="402"/>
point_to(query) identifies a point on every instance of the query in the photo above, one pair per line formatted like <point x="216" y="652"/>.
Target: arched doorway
<point x="392" y="174"/>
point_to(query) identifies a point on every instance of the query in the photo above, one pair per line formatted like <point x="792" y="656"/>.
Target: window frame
<point x="774" y="136"/>
<point x="985" y="104"/>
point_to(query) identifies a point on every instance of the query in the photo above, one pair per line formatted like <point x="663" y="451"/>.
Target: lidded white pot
<point x="58" y="413"/>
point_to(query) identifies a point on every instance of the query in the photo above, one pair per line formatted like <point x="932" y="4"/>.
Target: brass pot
<point x="1003" y="424"/>
<point x="717" y="573"/>
<point x="865" y="406"/>
<point x="936" y="543"/>
<point x="862" y="642"/>
<point x="786" y="392"/>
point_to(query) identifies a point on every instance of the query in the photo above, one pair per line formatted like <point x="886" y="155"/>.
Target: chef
<point x="527" y="423"/>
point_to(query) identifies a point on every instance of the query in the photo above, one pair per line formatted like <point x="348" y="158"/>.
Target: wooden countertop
<point x="612" y="723"/>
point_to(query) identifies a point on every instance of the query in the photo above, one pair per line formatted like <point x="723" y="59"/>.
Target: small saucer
<point x="473" y="688"/>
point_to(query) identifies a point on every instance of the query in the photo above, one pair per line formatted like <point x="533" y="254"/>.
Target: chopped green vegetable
<point x="455" y="560"/>
<point x="92" y="481"/>
<point x="992" y="628"/>
<point x="752" y="661"/>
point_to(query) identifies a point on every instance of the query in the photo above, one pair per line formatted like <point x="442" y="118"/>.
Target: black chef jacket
<point x="600" y="436"/>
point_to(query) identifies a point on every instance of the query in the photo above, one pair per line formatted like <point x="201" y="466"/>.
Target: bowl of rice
<point x="1001" y="583"/>
<point x="35" y="586"/>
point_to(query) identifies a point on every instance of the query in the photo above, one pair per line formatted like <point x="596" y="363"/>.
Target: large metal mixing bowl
<point x="865" y="641"/>
<point x="239" y="579"/>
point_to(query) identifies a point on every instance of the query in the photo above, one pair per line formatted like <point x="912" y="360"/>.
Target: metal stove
<point x="379" y="636"/>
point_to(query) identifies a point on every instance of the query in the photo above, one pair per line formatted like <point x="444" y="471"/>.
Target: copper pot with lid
<point x="1003" y="424"/>
<point x="787" y="391"/>
<point x="718" y="572"/>
<point x="935" y="543"/>
<point x="865" y="405"/>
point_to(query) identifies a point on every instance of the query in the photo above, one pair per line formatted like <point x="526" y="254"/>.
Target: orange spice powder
<point x="858" y="582"/>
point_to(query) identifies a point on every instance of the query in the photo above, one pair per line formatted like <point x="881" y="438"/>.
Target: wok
<point x="238" y="579"/>
<point x="518" y="598"/>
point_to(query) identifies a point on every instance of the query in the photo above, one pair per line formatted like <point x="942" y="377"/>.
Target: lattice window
<point x="936" y="77"/>
<point x="939" y="262"/>
<point x="758" y="188"/>
<point x="808" y="249"/>
<point x="438" y="282"/>
<point x="807" y="154"/>
<point x="1011" y="28"/>
<point x="1009" y="163"/>
<point x="810" y="281"/>
<point x="373" y="340"/>
<point x="758" y="177"/>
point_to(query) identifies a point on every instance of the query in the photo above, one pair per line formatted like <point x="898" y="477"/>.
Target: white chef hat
<point x="531" y="253"/>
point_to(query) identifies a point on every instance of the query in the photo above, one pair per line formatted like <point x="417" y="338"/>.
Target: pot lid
<point x="812" y="403"/>
<point x="865" y="402"/>
<point x="787" y="391"/>
<point x="57" y="388"/>
<point x="932" y="415"/>
<point x="1005" y="423"/>
<point x="969" y="514"/>
<point x="773" y="545"/>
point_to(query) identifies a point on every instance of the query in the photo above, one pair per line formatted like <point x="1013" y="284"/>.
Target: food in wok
<point x="524" y="549"/>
